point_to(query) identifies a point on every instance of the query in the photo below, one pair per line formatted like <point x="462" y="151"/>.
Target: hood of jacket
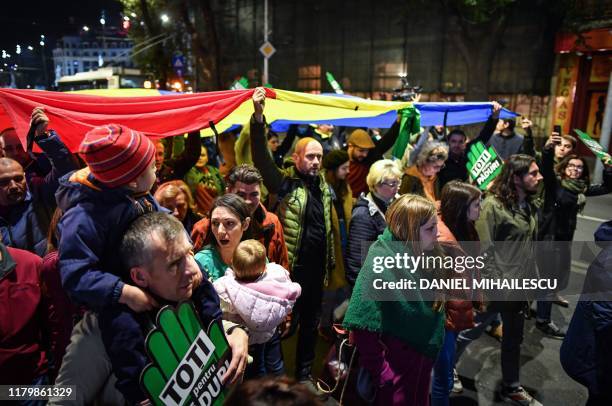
<point x="80" y="186"/>
<point x="368" y="202"/>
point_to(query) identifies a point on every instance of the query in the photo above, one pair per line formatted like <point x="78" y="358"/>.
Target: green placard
<point x="187" y="364"/>
<point x="240" y="84"/>
<point x="594" y="146"/>
<point x="483" y="164"/>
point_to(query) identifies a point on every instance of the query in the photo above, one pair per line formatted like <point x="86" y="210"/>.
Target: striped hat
<point x="115" y="154"/>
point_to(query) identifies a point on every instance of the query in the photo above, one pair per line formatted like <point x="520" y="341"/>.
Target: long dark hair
<point x="561" y="166"/>
<point x="455" y="201"/>
<point x="52" y="236"/>
<point x="237" y="206"/>
<point x="503" y="186"/>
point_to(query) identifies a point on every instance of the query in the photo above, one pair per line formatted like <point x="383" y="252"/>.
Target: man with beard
<point x="303" y="204"/>
<point x="455" y="166"/>
<point x="363" y="152"/>
<point x="27" y="201"/>
<point x="507" y="228"/>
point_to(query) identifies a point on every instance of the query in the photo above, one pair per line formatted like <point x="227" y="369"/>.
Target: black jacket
<point x="557" y="217"/>
<point x="586" y="352"/>
<point x="454" y="169"/>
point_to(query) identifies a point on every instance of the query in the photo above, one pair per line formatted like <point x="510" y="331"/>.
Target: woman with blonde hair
<point x="368" y="218"/>
<point x="398" y="333"/>
<point x="176" y="197"/>
<point x="422" y="177"/>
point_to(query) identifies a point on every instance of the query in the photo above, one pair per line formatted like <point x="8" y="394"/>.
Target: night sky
<point x="22" y="21"/>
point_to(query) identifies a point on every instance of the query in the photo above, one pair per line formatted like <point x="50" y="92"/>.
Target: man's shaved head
<point x="307" y="156"/>
<point x="300" y="146"/>
<point x="7" y="162"/>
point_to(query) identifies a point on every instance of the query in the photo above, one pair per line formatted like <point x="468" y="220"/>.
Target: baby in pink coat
<point x="256" y="293"/>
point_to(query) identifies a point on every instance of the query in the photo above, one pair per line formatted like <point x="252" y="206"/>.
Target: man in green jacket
<point x="303" y="205"/>
<point x="507" y="228"/>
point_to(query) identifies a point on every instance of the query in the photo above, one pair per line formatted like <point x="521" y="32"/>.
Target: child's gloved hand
<point x="137" y="299"/>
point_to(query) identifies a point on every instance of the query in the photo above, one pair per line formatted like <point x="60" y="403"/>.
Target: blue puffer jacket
<point x="94" y="221"/>
<point x="124" y="333"/>
<point x="25" y="225"/>
<point x="586" y="352"/>
<point x="367" y="223"/>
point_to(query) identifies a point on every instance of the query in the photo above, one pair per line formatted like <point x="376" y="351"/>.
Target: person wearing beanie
<point x="336" y="165"/>
<point x="99" y="202"/>
<point x="363" y="152"/>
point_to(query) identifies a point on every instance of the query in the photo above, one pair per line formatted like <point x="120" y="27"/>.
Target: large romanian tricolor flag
<point x="157" y="115"/>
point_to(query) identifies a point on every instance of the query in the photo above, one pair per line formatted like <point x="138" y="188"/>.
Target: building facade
<point x="74" y="54"/>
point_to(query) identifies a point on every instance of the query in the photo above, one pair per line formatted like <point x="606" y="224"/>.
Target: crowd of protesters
<point x="282" y="248"/>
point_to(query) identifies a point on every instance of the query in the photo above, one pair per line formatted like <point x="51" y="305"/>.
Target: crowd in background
<point x="279" y="249"/>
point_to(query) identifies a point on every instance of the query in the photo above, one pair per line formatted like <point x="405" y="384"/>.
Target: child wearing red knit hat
<point x="99" y="202"/>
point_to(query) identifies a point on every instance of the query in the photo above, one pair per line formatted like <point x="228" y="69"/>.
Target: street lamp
<point x="44" y="61"/>
<point x="103" y="22"/>
<point x="85" y="28"/>
<point x="165" y="18"/>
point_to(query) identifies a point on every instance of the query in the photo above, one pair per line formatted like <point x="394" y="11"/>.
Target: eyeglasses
<point x="390" y="184"/>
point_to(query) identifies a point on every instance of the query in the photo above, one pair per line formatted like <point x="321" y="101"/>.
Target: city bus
<point x="103" y="78"/>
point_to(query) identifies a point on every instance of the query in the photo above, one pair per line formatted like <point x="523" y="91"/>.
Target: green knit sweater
<point x="414" y="322"/>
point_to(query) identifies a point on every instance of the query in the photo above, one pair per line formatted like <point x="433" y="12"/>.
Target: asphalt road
<point x="541" y="372"/>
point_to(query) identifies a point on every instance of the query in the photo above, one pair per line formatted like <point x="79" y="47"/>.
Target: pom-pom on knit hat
<point x="115" y="154"/>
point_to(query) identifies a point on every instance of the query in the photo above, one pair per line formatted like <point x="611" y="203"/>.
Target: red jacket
<point x="27" y="330"/>
<point x="271" y="235"/>
<point x="459" y="313"/>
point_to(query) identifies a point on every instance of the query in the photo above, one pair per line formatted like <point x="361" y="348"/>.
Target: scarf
<point x="382" y="205"/>
<point x="577" y="187"/>
<point x="428" y="182"/>
<point x="413" y="322"/>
